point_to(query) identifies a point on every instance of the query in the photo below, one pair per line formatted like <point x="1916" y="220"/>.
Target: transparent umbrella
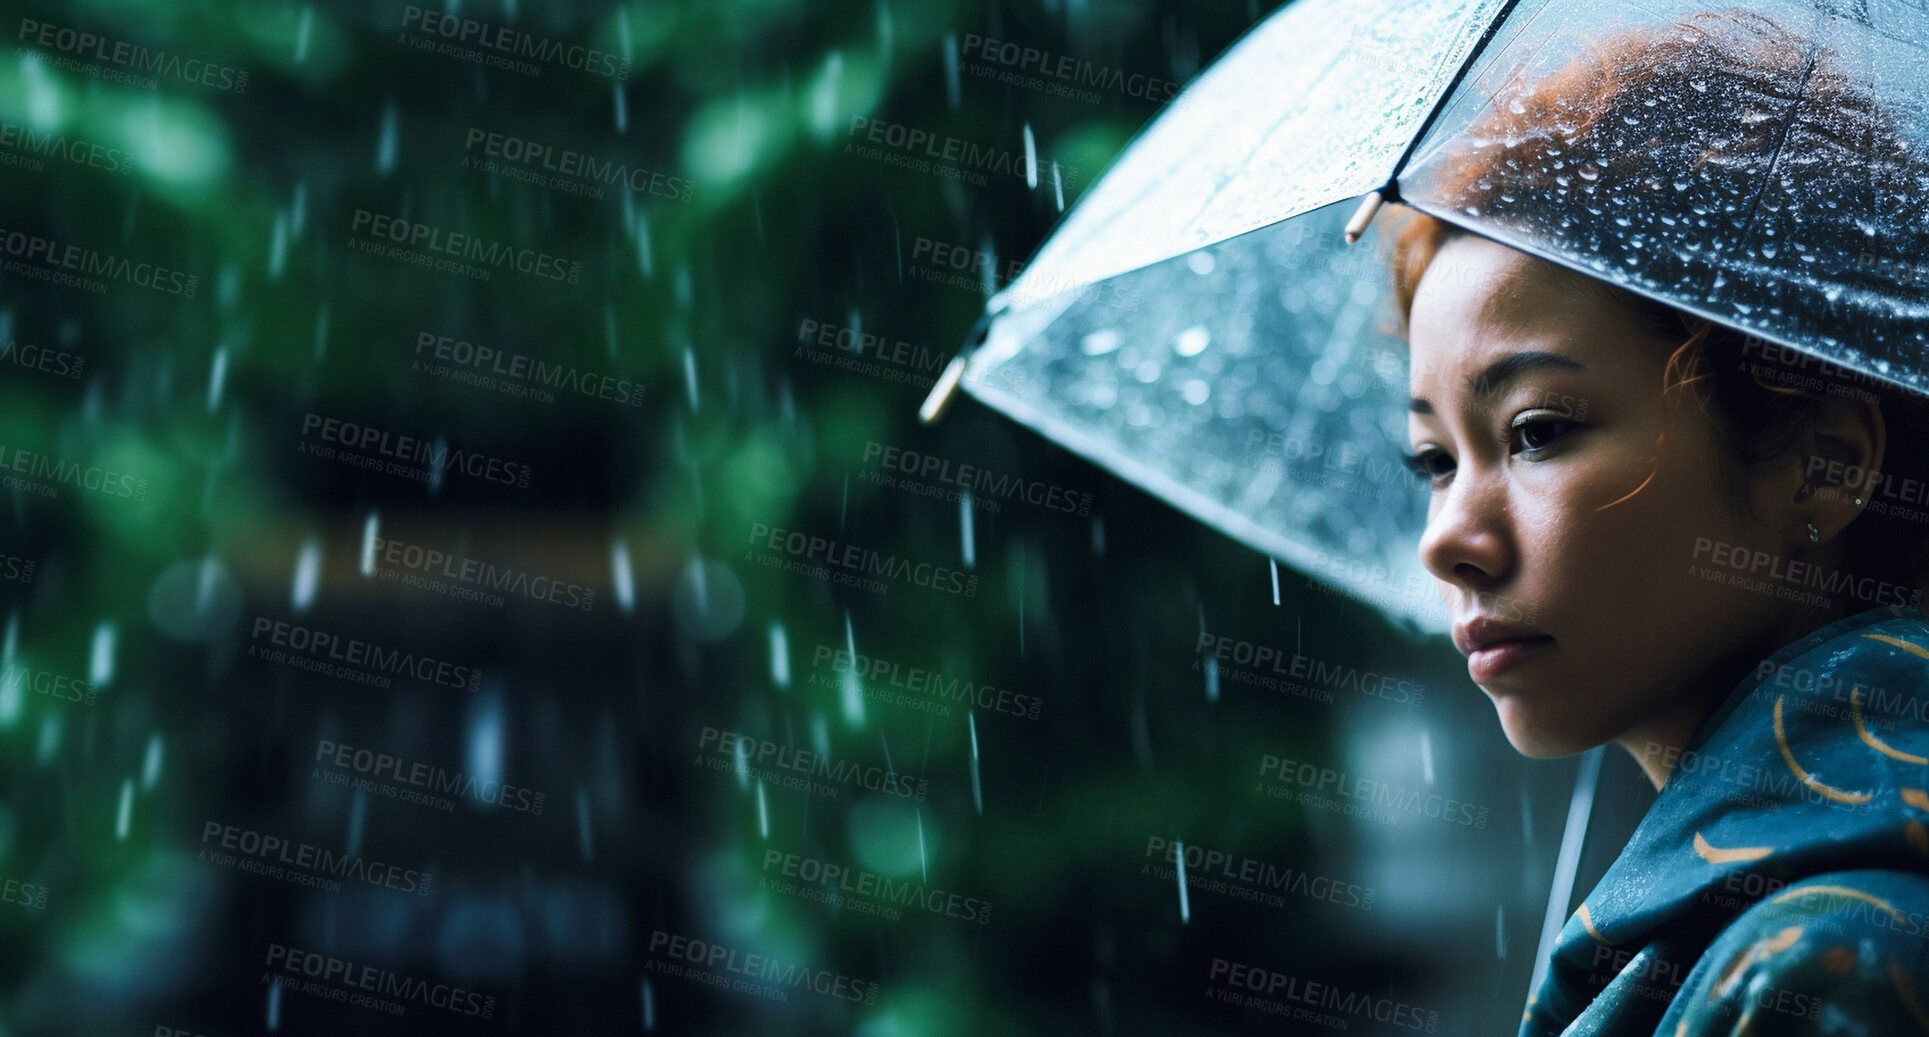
<point x="1198" y="324"/>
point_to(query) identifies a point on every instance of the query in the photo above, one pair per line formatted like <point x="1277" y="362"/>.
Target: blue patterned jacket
<point x="1780" y="882"/>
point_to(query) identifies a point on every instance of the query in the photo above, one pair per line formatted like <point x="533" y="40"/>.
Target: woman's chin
<point x="1539" y="738"/>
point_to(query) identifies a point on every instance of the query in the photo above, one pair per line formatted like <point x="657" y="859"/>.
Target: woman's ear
<point x="1840" y="453"/>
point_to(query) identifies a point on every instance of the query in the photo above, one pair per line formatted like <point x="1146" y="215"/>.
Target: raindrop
<point x="277" y="247"/>
<point x="1185" y="907"/>
<point x="217" y="377"/>
<point x="483" y="752"/>
<point x="385" y="140"/>
<point x="1201" y="262"/>
<point x="125" y="814"/>
<point x="779" y="656"/>
<point x="1272" y="564"/>
<point x="1195" y="391"/>
<point x="100" y="663"/>
<point x="924" y="865"/>
<point x="1098" y="536"/>
<point x="1058" y="187"/>
<point x="649" y="1006"/>
<point x="965" y="530"/>
<point x="370" y="527"/>
<point x="852" y="691"/>
<point x="951" y="90"/>
<point x="274" y="1005"/>
<point x="621" y="576"/>
<point x="977" y="785"/>
<point x="302" y="27"/>
<point x="1500" y="931"/>
<point x="621" y="103"/>
<point x="441" y="449"/>
<point x="1426" y="756"/>
<point x="763" y="812"/>
<point x="1031" y="158"/>
<point x="307" y="574"/>
<point x="690" y="376"/>
<point x="151" y="763"/>
<point x="1192" y="341"/>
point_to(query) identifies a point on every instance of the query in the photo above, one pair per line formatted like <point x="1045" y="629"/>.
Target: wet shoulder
<point x="1842" y="952"/>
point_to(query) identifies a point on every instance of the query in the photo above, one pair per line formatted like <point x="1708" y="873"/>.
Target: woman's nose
<point x="1467" y="543"/>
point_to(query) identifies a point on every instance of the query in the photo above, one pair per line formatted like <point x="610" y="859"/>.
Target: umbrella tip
<point x="1363" y="216"/>
<point x="946" y="386"/>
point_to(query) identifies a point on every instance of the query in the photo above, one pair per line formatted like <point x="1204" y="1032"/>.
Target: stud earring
<point x="1858" y="501"/>
<point x="1814" y="535"/>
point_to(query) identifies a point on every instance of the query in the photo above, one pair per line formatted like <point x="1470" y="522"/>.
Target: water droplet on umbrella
<point x="1100" y="342"/>
<point x="1192" y="341"/>
<point x="1200" y="262"/>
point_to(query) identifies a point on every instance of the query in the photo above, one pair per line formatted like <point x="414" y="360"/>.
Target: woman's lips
<point x="1497" y="657"/>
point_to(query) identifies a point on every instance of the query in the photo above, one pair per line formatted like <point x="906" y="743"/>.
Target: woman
<point x="1712" y="541"/>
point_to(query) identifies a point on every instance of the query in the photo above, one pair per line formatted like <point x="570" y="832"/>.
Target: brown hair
<point x="1588" y="122"/>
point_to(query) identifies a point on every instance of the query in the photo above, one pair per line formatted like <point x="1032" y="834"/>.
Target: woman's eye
<point x="1535" y="434"/>
<point x="1430" y="463"/>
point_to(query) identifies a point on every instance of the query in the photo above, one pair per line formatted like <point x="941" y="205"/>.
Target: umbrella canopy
<point x="1197" y="325"/>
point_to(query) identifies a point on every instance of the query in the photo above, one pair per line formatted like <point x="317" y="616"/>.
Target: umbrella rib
<point x="1392" y="189"/>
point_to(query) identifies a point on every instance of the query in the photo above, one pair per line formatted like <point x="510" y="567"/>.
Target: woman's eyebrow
<point x="1488" y="382"/>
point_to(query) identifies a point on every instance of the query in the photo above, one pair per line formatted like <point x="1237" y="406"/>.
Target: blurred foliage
<point x="700" y="299"/>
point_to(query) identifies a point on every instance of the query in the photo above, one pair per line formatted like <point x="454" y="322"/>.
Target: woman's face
<point x="1537" y="412"/>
